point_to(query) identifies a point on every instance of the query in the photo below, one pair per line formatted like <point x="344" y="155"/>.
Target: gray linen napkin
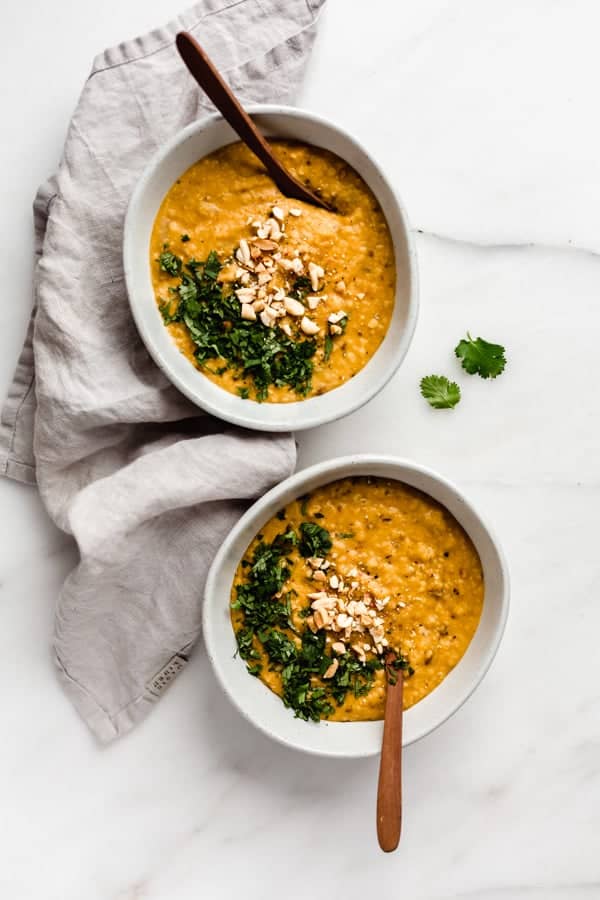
<point x="146" y="484"/>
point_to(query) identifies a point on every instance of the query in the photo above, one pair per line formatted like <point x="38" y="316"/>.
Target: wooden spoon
<point x="210" y="80"/>
<point x="389" y="789"/>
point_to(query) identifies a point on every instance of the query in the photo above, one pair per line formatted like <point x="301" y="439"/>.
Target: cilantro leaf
<point x="267" y="574"/>
<point x="401" y="662"/>
<point x="279" y="647"/>
<point x="212" y="266"/>
<point x="170" y="263"/>
<point x="352" y="675"/>
<point x="245" y="642"/>
<point x="480" y="357"/>
<point x="440" y="392"/>
<point x="188" y="291"/>
<point x="314" y="540"/>
<point x="301" y="287"/>
<point x="299" y="691"/>
<point x="255" y="669"/>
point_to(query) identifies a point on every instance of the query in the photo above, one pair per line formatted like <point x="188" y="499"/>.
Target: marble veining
<point x="485" y="115"/>
<point x="517" y="245"/>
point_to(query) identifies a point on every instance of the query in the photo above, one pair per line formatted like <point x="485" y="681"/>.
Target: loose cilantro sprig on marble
<point x="440" y="392"/>
<point x="480" y="357"/>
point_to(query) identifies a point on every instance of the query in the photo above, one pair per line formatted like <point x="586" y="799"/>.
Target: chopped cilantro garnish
<point x="301" y="661"/>
<point x="301" y="287"/>
<point x="170" y="263"/>
<point x="353" y="675"/>
<point x="245" y="642"/>
<point x="266" y="356"/>
<point x="266" y="576"/>
<point x="299" y="692"/>
<point x="279" y="647"/>
<point x="399" y="663"/>
<point x="212" y="266"/>
<point x="314" y="540"/>
<point x="246" y="649"/>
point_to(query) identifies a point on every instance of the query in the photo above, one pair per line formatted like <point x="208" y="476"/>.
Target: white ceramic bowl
<point x="262" y="707"/>
<point x="186" y="148"/>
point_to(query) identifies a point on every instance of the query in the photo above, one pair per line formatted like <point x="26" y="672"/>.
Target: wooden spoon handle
<point x="389" y="789"/>
<point x="210" y="80"/>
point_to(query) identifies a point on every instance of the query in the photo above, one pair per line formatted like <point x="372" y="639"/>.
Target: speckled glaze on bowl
<point x="182" y="151"/>
<point x="352" y="739"/>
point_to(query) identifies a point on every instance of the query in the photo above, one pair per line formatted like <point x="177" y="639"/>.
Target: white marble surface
<point x="486" y="114"/>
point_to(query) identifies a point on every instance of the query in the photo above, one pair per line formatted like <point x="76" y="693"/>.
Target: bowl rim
<point x="289" y="418"/>
<point x="294" y="483"/>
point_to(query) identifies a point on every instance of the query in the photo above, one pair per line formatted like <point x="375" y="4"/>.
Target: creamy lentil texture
<point x="226" y="208"/>
<point x="339" y="578"/>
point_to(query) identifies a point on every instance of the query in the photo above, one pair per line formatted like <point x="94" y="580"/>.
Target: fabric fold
<point x="147" y="484"/>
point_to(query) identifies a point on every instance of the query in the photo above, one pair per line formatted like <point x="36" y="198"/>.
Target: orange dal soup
<point x="302" y="273"/>
<point x="392" y="569"/>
